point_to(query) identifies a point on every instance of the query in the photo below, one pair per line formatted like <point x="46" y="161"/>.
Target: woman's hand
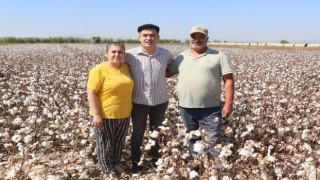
<point x="97" y="121"/>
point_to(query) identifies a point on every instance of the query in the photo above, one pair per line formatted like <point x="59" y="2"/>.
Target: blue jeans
<point x="204" y="118"/>
<point x="139" y="117"/>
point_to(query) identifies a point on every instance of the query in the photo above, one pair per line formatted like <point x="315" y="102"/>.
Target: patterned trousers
<point x="109" y="142"/>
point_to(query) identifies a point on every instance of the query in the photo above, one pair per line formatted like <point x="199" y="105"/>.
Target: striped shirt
<point x="148" y="73"/>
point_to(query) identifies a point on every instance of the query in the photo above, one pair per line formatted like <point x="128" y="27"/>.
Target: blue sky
<point x="232" y="20"/>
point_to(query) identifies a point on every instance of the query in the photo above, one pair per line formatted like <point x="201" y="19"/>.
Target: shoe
<point x="135" y="170"/>
<point x="197" y="167"/>
<point x="119" y="170"/>
<point x="111" y="176"/>
<point x="153" y="166"/>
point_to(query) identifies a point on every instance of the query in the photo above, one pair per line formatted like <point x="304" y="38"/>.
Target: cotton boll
<point x="170" y="170"/>
<point x="309" y="159"/>
<point x="185" y="155"/>
<point x="246" y="151"/>
<point x="228" y="131"/>
<point x="63" y="136"/>
<point x="28" y="101"/>
<point x="2" y="121"/>
<point x="83" y="141"/>
<point x="264" y="176"/>
<point x="82" y="153"/>
<point x="301" y="173"/>
<point x="5" y="97"/>
<point x="7" y="145"/>
<point x="271" y="158"/>
<point x="290" y="121"/>
<point x="197" y="133"/>
<point x="57" y="97"/>
<point x="12" y="172"/>
<point x="147" y="147"/>
<point x="45" y="111"/>
<point x="16" y="138"/>
<point x="39" y="120"/>
<point x="250" y="127"/>
<point x="75" y="97"/>
<point x="46" y="143"/>
<point x="290" y="147"/>
<point x="17" y="121"/>
<point x="50" y="132"/>
<point x="281" y="130"/>
<point x="225" y="153"/>
<point x="312" y="173"/>
<point x="151" y="142"/>
<point x="34" y="176"/>
<point x="307" y="147"/>
<point x="199" y="147"/>
<point x="154" y="134"/>
<point x="214" y="177"/>
<point x="193" y="174"/>
<point x="14" y="111"/>
<point x="182" y="133"/>
<point x="175" y="151"/>
<point x="305" y="134"/>
<point x="165" y="122"/>
<point x="216" y="120"/>
<point x="27" y="139"/>
<point x="159" y="162"/>
<point x="53" y="177"/>
<point x="89" y="163"/>
<point x="92" y="134"/>
<point x="226" y="178"/>
<point x="244" y="134"/>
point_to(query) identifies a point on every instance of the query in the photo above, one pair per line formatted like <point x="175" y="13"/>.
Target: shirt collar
<point x="208" y="51"/>
<point x="158" y="50"/>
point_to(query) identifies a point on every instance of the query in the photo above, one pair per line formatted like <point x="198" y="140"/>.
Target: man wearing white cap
<point x="200" y="102"/>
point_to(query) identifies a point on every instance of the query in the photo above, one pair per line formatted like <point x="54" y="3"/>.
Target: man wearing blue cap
<point x="148" y="65"/>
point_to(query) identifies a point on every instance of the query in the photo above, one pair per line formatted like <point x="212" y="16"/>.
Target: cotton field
<point x="273" y="132"/>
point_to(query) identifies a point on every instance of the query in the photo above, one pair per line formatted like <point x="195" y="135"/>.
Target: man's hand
<point x="169" y="73"/>
<point x="226" y="111"/>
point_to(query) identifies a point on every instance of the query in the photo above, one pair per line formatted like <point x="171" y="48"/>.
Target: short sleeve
<point x="95" y="79"/>
<point x="174" y="66"/>
<point x="170" y="60"/>
<point x="225" y="65"/>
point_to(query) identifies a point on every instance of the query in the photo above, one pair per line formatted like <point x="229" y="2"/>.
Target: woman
<point x="109" y="92"/>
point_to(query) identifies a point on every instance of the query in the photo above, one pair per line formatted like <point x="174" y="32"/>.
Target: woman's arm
<point x="94" y="107"/>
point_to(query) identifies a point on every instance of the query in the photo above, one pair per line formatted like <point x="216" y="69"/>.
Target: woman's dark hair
<point x="115" y="44"/>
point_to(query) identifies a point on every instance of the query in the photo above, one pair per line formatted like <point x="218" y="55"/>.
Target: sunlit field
<point x="273" y="132"/>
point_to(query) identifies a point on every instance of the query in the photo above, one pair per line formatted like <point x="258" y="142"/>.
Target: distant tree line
<point x="6" y="40"/>
<point x="11" y="40"/>
<point x="284" y="42"/>
<point x="14" y="40"/>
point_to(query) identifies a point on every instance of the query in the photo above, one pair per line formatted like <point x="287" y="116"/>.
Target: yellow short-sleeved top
<point x="114" y="88"/>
